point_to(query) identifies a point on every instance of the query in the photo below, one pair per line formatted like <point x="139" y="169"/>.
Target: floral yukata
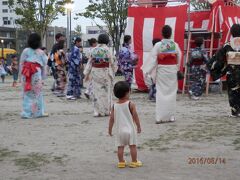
<point x="198" y="71"/>
<point x="60" y="61"/>
<point x="33" y="69"/>
<point x="74" y="73"/>
<point x="101" y="67"/>
<point x="89" y="90"/>
<point x="127" y="60"/>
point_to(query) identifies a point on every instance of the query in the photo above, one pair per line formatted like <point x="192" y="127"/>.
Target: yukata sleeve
<point x="76" y="58"/>
<point x="119" y="58"/>
<point x="190" y="59"/>
<point x="205" y="57"/>
<point x="23" y="58"/>
<point x="112" y="65"/>
<point x="44" y="59"/>
<point x="151" y="64"/>
<point x="88" y="67"/>
<point x="179" y="55"/>
<point x="133" y="55"/>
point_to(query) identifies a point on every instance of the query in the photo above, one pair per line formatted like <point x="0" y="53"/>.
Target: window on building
<point x="5" y="10"/>
<point x="12" y="34"/>
<point x="6" y="21"/>
<point x="3" y="34"/>
<point x="4" y="3"/>
<point x="92" y="31"/>
<point x="103" y="32"/>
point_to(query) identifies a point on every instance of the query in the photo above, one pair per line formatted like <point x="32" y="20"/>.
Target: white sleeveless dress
<point x="125" y="127"/>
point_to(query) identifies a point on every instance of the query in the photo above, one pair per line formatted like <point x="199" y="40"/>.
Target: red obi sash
<point x="100" y="62"/>
<point x="197" y="62"/>
<point x="101" y="65"/>
<point x="167" y="58"/>
<point x="28" y="70"/>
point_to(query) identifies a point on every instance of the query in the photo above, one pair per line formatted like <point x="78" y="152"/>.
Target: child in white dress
<point x="125" y="116"/>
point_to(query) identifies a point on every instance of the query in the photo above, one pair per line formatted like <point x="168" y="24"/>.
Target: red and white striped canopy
<point x="222" y="18"/>
<point x="144" y="24"/>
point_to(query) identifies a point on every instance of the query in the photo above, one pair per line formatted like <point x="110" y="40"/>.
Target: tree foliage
<point x="36" y="15"/>
<point x="200" y="5"/>
<point x="204" y="4"/>
<point x="78" y="30"/>
<point x="113" y="13"/>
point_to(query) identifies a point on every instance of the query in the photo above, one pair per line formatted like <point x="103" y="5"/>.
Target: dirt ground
<point x="203" y="144"/>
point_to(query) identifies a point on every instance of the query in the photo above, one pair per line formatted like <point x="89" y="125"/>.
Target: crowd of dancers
<point x="69" y="73"/>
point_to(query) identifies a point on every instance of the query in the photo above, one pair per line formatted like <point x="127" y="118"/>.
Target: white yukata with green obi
<point x="102" y="78"/>
<point x="166" y="78"/>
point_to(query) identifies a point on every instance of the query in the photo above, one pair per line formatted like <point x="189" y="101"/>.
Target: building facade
<point x="7" y="15"/>
<point x="92" y="32"/>
<point x="8" y="37"/>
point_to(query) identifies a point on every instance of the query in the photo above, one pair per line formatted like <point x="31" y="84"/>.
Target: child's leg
<point x="3" y="77"/>
<point x="133" y="151"/>
<point x="120" y="153"/>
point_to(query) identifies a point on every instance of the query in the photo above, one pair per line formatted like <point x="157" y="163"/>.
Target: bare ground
<point x="203" y="144"/>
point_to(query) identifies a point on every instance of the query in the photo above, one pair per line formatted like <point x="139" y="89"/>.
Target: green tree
<point x="113" y="13"/>
<point x="78" y="30"/>
<point x="37" y="15"/>
<point x="204" y="4"/>
<point x="200" y="4"/>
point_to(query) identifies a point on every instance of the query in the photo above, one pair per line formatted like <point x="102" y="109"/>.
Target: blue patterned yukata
<point x="198" y="71"/>
<point x="33" y="104"/>
<point x="74" y="77"/>
<point x="127" y="60"/>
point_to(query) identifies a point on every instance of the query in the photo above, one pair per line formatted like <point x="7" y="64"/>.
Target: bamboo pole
<point x="187" y="60"/>
<point x="210" y="55"/>
<point x="188" y="49"/>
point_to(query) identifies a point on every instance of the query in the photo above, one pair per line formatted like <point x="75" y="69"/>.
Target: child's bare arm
<point x="135" y="117"/>
<point x="111" y="122"/>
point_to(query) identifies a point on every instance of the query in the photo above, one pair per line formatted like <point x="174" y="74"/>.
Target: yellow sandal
<point x="135" y="164"/>
<point x="122" y="164"/>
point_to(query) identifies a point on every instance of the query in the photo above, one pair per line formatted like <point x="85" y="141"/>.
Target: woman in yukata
<point x="127" y="59"/>
<point x="198" y="71"/>
<point x="102" y="70"/>
<point x="33" y="64"/>
<point x="165" y="58"/>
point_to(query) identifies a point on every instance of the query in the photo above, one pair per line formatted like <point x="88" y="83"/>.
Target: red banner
<point x="144" y="24"/>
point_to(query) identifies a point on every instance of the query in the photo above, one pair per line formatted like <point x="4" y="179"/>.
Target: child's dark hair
<point x="199" y="41"/>
<point x="92" y="41"/>
<point x="58" y="35"/>
<point x="126" y="39"/>
<point x="155" y="40"/>
<point x="121" y="88"/>
<point x="235" y="30"/>
<point x="166" y="32"/>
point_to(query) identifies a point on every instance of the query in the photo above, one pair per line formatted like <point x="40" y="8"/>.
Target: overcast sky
<point x="78" y="6"/>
